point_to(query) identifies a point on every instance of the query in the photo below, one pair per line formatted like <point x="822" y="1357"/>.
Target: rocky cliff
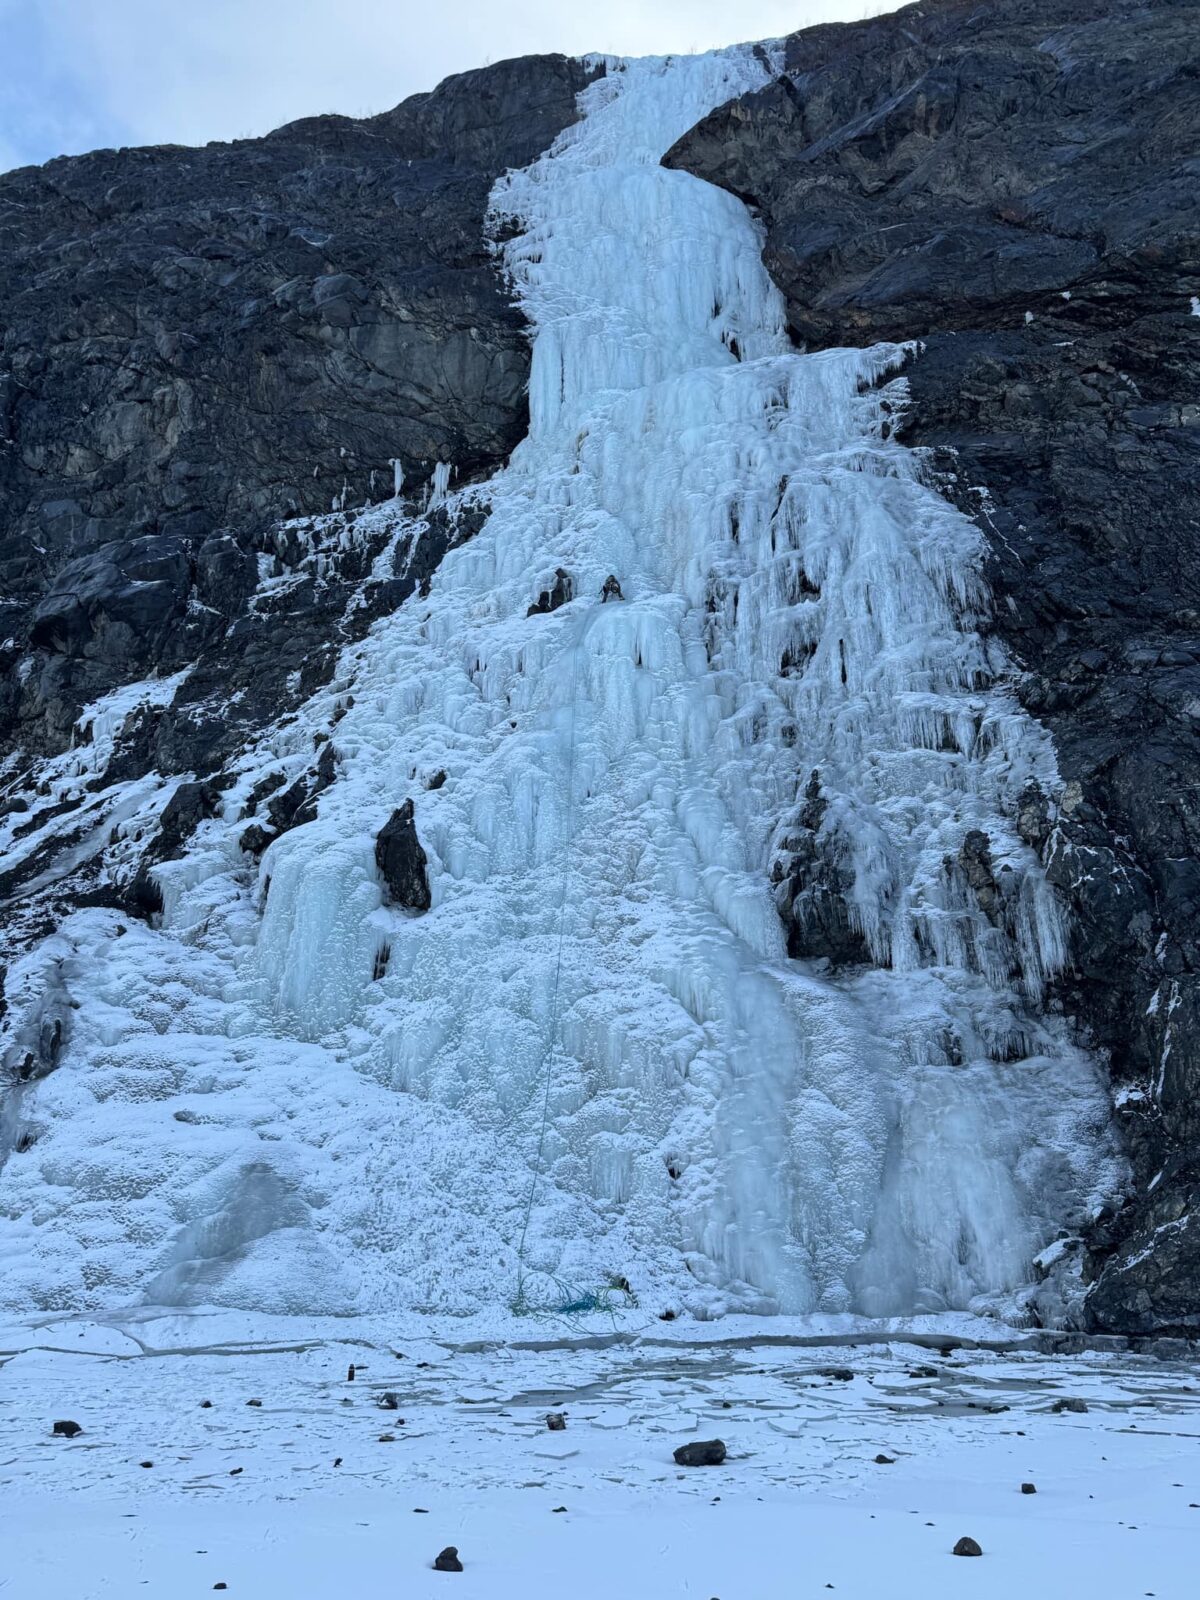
<point x="205" y="352"/>
<point x="201" y="343"/>
<point x="1013" y="185"/>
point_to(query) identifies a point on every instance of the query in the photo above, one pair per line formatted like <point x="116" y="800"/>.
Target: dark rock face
<point x="200" y="342"/>
<point x="1150" y="1260"/>
<point x="813" y="879"/>
<point x="181" y="816"/>
<point x="1013" y="184"/>
<point x="402" y="862"/>
<point x="975" y="862"/>
<point x="329" y="590"/>
<point x="952" y="165"/>
<point x="196" y="345"/>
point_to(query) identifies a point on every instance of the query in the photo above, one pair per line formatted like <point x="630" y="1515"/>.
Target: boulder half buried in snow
<point x="701" y="1453"/>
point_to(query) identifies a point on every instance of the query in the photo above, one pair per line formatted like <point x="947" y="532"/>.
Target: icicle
<point x="439" y="485"/>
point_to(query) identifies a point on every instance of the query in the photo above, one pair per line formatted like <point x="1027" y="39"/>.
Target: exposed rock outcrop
<point x="180" y="817"/>
<point x="1013" y="184"/>
<point x="202" y="351"/>
<point x="813" y="883"/>
<point x="200" y="342"/>
<point x="402" y="862"/>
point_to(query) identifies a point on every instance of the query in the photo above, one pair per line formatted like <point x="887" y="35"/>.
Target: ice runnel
<point x="725" y="1127"/>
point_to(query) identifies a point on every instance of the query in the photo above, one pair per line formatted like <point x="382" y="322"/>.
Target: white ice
<point x="592" y="1060"/>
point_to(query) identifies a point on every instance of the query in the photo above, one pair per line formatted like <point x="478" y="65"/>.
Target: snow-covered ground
<point x="318" y="1492"/>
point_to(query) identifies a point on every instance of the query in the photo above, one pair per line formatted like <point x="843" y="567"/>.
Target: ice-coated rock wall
<point x="592" y="1059"/>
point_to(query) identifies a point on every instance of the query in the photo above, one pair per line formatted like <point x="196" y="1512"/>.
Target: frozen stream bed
<point x="318" y="1491"/>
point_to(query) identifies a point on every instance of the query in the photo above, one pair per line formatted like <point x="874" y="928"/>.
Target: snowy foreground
<point x="318" y="1491"/>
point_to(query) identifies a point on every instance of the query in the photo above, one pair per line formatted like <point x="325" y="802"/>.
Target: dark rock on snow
<point x="975" y="863"/>
<point x="1013" y="184"/>
<point x="556" y="594"/>
<point x="402" y="862"/>
<point x="701" y="1453"/>
<point x="66" y="1429"/>
<point x="967" y="1546"/>
<point x="255" y="839"/>
<point x="448" y="1560"/>
<point x="812" y="876"/>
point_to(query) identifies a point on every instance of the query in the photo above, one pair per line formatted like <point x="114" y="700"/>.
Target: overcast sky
<point x="80" y="74"/>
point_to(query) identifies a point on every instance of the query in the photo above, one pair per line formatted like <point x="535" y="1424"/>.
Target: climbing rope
<point x="552" y="1036"/>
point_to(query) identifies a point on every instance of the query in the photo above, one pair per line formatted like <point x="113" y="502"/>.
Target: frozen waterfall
<point x="294" y="1097"/>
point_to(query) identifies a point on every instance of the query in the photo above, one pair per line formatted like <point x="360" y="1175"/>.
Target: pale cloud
<point x="75" y="74"/>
